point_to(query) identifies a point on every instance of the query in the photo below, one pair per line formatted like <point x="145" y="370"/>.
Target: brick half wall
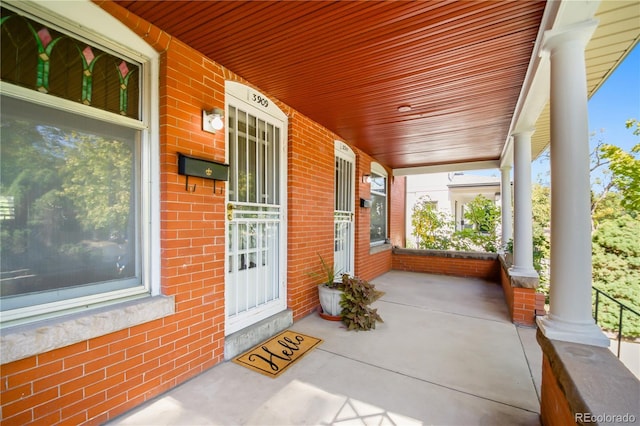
<point x="584" y="384"/>
<point x="456" y="263"/>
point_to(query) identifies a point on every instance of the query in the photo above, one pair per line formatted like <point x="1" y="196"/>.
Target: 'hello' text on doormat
<point x="278" y="353"/>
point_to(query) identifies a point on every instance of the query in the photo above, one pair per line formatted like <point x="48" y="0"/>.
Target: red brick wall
<point x="93" y="381"/>
<point x="554" y="408"/>
<point x="397" y="211"/>
<point x="505" y="281"/>
<point x="524" y="303"/>
<point x="311" y="204"/>
<point x="373" y="265"/>
<point x="415" y="261"/>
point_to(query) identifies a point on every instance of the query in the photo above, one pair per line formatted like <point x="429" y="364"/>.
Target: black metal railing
<point x="621" y="307"/>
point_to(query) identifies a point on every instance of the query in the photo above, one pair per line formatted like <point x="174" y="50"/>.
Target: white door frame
<point x="344" y="209"/>
<point x="238" y="214"/>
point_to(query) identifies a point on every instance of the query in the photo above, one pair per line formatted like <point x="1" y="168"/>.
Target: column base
<point x="586" y="334"/>
<point x="523" y="272"/>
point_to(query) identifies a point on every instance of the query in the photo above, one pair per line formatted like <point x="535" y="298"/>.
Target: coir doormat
<point x="278" y="353"/>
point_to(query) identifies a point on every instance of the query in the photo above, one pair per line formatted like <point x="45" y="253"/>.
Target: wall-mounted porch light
<point x="212" y="120"/>
<point x="366" y="178"/>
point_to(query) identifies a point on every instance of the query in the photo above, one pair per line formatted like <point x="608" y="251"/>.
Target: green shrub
<point x="616" y="271"/>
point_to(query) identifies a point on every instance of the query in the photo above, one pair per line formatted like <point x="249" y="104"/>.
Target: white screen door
<point x="256" y="208"/>
<point x="343" y="209"/>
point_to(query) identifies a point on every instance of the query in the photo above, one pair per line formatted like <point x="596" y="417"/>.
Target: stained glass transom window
<point x="42" y="58"/>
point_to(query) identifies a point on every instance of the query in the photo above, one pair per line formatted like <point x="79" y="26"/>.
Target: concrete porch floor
<point x="446" y="354"/>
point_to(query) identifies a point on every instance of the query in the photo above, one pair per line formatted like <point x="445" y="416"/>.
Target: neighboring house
<point x="464" y="188"/>
<point x="449" y="193"/>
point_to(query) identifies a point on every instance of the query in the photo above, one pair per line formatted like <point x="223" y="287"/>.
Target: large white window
<point x="75" y="199"/>
<point x="379" y="191"/>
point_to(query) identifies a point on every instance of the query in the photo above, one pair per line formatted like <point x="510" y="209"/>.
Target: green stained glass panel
<point x="38" y="57"/>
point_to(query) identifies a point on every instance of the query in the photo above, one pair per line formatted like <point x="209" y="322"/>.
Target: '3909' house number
<point x="257" y="98"/>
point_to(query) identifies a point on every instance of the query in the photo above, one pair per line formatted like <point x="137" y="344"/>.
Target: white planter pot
<point x="330" y="300"/>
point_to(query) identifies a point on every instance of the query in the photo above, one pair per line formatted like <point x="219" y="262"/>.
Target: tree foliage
<point x="608" y="208"/>
<point x="616" y="271"/>
<point x="431" y="227"/>
<point x="616" y="242"/>
<point x="541" y="207"/>
<point x="625" y="173"/>
<point x="484" y="216"/>
<point x="435" y="230"/>
<point x="99" y="181"/>
<point x="541" y="215"/>
<point x="620" y="173"/>
<point x="68" y="197"/>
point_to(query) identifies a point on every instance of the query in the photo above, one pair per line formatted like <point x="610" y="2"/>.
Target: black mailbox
<point x="199" y="167"/>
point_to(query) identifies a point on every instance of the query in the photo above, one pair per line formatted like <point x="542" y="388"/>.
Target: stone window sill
<point x="23" y="341"/>
<point x="380" y="248"/>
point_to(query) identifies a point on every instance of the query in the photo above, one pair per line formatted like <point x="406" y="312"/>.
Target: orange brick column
<point x="520" y="294"/>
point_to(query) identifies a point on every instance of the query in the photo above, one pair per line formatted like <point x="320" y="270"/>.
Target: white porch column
<point x="505" y="196"/>
<point x="523" y="218"/>
<point x="570" y="317"/>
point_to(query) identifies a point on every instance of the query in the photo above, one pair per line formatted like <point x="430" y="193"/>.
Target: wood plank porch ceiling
<point x="349" y="65"/>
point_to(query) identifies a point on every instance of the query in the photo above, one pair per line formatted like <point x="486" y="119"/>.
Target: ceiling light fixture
<point x="404" y="108"/>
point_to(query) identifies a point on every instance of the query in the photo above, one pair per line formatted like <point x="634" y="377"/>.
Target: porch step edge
<point x="242" y="340"/>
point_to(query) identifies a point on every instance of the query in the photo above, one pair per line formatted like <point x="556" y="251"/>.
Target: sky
<point x="615" y="102"/>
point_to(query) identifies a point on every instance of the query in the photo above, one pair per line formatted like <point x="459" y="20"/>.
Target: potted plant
<point x="347" y="299"/>
<point x="330" y="292"/>
<point x="357" y="297"/>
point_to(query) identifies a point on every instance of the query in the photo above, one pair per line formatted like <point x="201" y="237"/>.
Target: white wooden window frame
<point x="377" y="169"/>
<point x="22" y="334"/>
